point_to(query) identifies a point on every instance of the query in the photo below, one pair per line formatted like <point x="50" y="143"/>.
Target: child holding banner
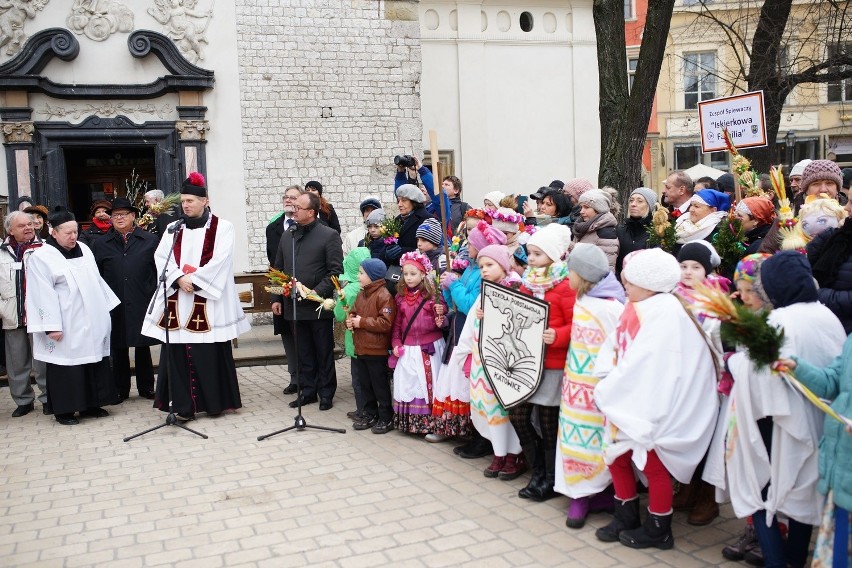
<point x="546" y="278"/>
<point x="581" y="472"/>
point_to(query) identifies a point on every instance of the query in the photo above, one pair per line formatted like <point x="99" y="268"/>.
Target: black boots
<point x="540" y="487"/>
<point x="656" y="532"/>
<point x="625" y="517"/>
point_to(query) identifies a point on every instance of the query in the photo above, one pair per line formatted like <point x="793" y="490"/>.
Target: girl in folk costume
<point x="660" y="407"/>
<point x="771" y="451"/>
<point x="833" y="382"/>
<point x="707" y="208"/>
<point x="418" y="345"/>
<point x="489" y="418"/>
<point x="461" y="293"/>
<point x="546" y="278"/>
<point x="581" y="473"/>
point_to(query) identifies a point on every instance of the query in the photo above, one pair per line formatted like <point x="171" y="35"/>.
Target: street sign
<point x="743" y="116"/>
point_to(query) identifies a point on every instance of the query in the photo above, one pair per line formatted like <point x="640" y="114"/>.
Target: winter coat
<point x="320" y="256"/>
<point x="603" y="234"/>
<point x="462" y="293"/>
<point x="835" y="449"/>
<point x="423" y="331"/>
<point x="560" y="317"/>
<point x="131" y="273"/>
<point x="838" y="298"/>
<point x="457" y="210"/>
<point x="12" y="284"/>
<point x="330" y="219"/>
<point x="408" y="232"/>
<point x="434" y="205"/>
<point x="754" y="238"/>
<point x="274" y="232"/>
<point x="349" y="292"/>
<point x="91" y="234"/>
<point x="632" y="236"/>
<point x="377" y="310"/>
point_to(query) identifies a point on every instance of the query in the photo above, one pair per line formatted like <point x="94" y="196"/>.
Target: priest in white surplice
<point x="204" y="312"/>
<point x="68" y="305"/>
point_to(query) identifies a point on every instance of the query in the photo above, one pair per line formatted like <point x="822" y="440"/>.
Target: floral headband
<point x="419" y="260"/>
<point x="507" y="217"/>
<point x="479" y="214"/>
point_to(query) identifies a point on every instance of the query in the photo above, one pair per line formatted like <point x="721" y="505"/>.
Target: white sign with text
<point x="743" y="116"/>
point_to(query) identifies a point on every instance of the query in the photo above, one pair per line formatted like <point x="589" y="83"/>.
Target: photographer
<point x="408" y="168"/>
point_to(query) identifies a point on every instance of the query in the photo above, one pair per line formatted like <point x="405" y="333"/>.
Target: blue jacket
<point x="835" y="449"/>
<point x="426" y="176"/>
<point x="462" y="293"/>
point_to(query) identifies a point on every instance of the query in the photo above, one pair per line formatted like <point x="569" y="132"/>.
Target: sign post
<point x="742" y="115"/>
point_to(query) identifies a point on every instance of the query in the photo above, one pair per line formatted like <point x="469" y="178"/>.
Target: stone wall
<point x="330" y="90"/>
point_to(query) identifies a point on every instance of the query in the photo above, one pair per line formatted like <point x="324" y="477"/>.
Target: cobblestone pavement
<point x="79" y="496"/>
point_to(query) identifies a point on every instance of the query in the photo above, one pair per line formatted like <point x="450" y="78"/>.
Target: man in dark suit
<point x="319" y="252"/>
<point x="125" y="258"/>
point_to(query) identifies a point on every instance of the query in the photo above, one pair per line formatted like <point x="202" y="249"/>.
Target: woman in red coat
<point x="546" y="278"/>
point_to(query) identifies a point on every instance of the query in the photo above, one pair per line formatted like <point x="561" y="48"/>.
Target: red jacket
<point x="561" y="315"/>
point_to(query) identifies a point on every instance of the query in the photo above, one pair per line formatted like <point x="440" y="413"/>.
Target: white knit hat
<point x="506" y="226"/>
<point x="553" y="240"/>
<point x="799" y="168"/>
<point x="652" y="269"/>
<point x="597" y="199"/>
<point x="494" y="197"/>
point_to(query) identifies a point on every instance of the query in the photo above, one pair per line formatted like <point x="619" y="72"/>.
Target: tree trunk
<point x="624" y="117"/>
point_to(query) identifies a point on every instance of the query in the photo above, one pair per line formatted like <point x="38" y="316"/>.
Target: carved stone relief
<point x="99" y="19"/>
<point x="185" y="24"/>
<point x="108" y="109"/>
<point x="192" y="129"/>
<point x="13" y="16"/>
<point x="17" y="132"/>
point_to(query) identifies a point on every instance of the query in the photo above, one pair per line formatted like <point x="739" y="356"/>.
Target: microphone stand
<point x="171" y="419"/>
<point x="300" y="423"/>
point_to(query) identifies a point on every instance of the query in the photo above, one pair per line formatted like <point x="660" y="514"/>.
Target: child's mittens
<point x="447" y="278"/>
<point x="393" y="252"/>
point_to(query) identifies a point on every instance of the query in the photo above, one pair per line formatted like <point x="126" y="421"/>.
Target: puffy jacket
<point x="462" y="293"/>
<point x="835" y="449"/>
<point x="602" y="233"/>
<point x="12" y="295"/>
<point x="838" y="298"/>
<point x="377" y="309"/>
<point x="560" y="317"/>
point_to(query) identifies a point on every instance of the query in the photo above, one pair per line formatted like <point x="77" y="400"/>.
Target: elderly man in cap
<point x="202" y="312"/>
<point x="356" y="235"/>
<point x="15" y="253"/>
<point x="68" y="305"/>
<point x="125" y="258"/>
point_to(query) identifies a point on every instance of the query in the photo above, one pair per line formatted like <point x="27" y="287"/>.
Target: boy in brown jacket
<point x="371" y="321"/>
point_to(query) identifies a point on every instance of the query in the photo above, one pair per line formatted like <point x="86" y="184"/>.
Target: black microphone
<point x="177" y="225"/>
<point x="292" y="228"/>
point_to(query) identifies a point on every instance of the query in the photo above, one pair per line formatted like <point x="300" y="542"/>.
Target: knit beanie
<point x="701" y="252"/>
<point x="494" y="197"/>
<point x="577" y="187"/>
<point x="553" y="240"/>
<point x="787" y="278"/>
<point x="314" y="185"/>
<point x="725" y="183"/>
<point x="819" y="170"/>
<point x="370" y="202"/>
<point x="652" y="269"/>
<point x="521" y="255"/>
<point x="588" y="262"/>
<point x="506" y="220"/>
<point x="430" y="230"/>
<point x="499" y="254"/>
<point x="374" y="268"/>
<point x="376" y="217"/>
<point x="597" y="199"/>
<point x="747" y="267"/>
<point x="648" y="194"/>
<point x="799" y="168"/>
<point x="484" y="234"/>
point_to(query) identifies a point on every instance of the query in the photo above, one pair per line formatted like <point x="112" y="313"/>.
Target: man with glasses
<point x="274" y="231"/>
<point x="125" y="259"/>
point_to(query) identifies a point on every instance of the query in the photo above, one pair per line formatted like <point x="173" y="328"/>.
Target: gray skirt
<point x="549" y="392"/>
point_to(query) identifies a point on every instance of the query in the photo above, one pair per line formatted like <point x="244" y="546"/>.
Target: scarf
<point x="599" y="221"/>
<point x="687" y="231"/>
<point x="836" y="251"/>
<point x="103" y="226"/>
<point x="540" y="280"/>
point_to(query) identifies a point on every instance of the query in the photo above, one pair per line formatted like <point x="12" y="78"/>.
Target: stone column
<point x="192" y="131"/>
<point x="18" y="130"/>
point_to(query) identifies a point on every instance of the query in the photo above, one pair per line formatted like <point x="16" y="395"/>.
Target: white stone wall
<point x="329" y="91"/>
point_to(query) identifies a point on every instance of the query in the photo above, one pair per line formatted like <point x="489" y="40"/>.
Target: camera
<point x="405" y="161"/>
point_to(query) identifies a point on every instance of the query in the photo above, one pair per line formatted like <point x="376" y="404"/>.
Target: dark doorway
<point x="103" y="172"/>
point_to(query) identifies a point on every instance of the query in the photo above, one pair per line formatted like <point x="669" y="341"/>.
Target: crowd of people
<point x="637" y="381"/>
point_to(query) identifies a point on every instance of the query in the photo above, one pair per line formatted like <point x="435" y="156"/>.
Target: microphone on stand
<point x="177" y="225"/>
<point x="293" y="226"/>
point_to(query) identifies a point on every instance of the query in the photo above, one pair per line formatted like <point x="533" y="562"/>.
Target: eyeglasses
<point x="121" y="215"/>
<point x="291" y="197"/>
<point x="300" y="208"/>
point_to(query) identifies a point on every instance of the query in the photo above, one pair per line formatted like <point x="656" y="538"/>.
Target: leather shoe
<point x="95" y="412"/>
<point x="67" y="419"/>
<point x="477" y="449"/>
<point x="45" y="411"/>
<point x="326" y="404"/>
<point x="305" y="401"/>
<point x="291" y="389"/>
<point x="23" y="410"/>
